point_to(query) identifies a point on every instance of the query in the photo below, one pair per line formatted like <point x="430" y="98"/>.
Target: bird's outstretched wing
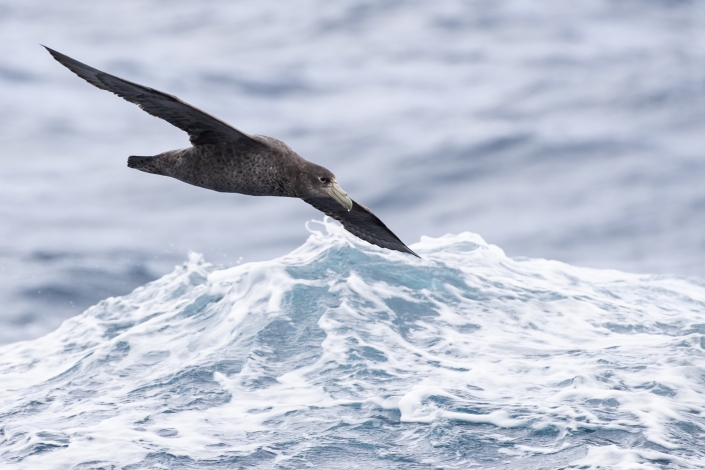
<point x="201" y="127"/>
<point x="361" y="222"/>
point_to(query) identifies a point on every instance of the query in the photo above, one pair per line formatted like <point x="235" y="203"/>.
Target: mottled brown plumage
<point x="225" y="159"/>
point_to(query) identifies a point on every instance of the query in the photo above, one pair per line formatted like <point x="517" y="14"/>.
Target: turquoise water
<point x="342" y="355"/>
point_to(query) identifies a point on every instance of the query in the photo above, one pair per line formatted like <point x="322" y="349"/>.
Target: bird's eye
<point x="324" y="180"/>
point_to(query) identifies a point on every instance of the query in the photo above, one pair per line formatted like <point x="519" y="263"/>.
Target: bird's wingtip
<point x="51" y="51"/>
<point x="56" y="54"/>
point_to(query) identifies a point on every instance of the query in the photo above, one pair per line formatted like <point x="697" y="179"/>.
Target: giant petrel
<point x="225" y="159"/>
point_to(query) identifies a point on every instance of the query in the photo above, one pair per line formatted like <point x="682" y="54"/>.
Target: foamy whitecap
<point x="341" y="353"/>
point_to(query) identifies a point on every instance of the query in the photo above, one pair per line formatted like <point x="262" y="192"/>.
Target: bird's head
<point x="320" y="182"/>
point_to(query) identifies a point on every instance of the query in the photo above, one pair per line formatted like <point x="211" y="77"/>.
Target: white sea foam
<point x="341" y="353"/>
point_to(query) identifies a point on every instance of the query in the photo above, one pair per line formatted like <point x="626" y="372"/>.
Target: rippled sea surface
<point x="561" y="130"/>
<point x="340" y="355"/>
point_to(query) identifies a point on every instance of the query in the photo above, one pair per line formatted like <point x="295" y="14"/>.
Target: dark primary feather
<point x="201" y="127"/>
<point x="361" y="222"/>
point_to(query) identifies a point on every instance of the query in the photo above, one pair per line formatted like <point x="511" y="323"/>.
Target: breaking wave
<point x="343" y="355"/>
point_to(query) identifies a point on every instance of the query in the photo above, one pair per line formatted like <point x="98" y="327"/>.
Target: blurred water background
<point x="562" y="130"/>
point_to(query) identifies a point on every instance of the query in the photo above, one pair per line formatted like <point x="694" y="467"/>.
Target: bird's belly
<point x="226" y="181"/>
<point x="219" y="174"/>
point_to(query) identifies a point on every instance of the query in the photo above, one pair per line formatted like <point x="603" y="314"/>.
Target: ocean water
<point x="343" y="355"/>
<point x="562" y="130"/>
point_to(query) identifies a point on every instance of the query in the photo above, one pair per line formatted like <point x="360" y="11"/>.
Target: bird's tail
<point x="146" y="164"/>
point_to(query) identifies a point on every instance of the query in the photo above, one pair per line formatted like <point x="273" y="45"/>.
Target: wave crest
<point x="340" y="350"/>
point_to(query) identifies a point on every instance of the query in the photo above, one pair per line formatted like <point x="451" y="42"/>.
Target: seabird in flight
<point x="225" y="159"/>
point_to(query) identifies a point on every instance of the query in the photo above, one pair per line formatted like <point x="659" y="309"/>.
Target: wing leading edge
<point x="201" y="127"/>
